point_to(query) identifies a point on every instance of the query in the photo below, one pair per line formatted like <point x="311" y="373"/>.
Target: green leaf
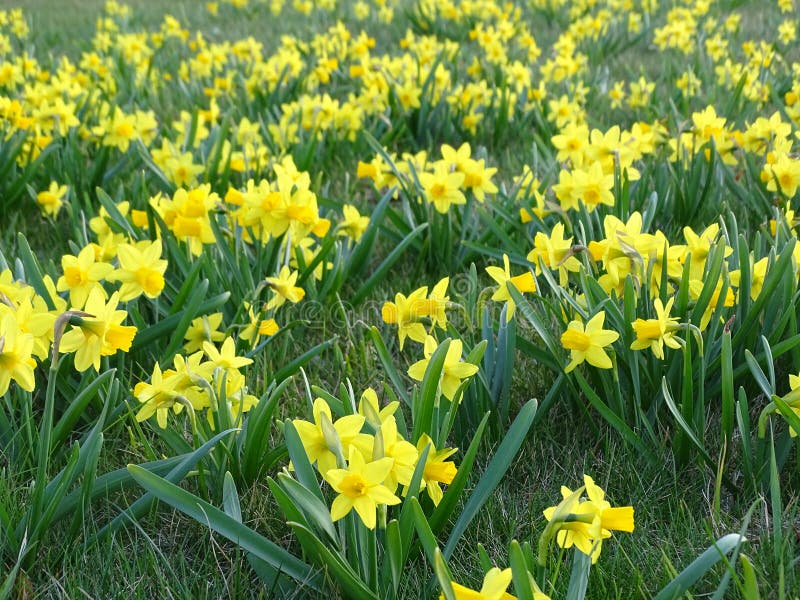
<point x="227" y="526"/>
<point x="426" y="537"/>
<point x="143" y="504"/>
<point x="350" y="582"/>
<point x="297" y="453"/>
<point x="230" y="498"/>
<point x="613" y="419"/>
<point x="523" y="580"/>
<point x="443" y="575"/>
<point x="684" y="425"/>
<point x="394" y="553"/>
<point x="579" y="578"/>
<point x="306" y="500"/>
<point x="451" y="498"/>
<point x="428" y="393"/>
<point x="750" y="581"/>
<point x="700" y="566"/>
<point x="33" y="272"/>
<point x="494" y="473"/>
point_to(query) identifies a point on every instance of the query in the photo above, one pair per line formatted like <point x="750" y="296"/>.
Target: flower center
<point x="647" y="330"/>
<point x="75" y="276"/>
<point x="438" y="190"/>
<point x="354" y="485"/>
<point x="443" y="472"/>
<point x="575" y="340"/>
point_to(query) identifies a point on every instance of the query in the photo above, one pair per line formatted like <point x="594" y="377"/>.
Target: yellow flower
<point x="203" y="329"/>
<point x="157" y="397"/>
<point x="555" y="252"/>
<point x="369" y="409"/>
<point x="495" y="584"/>
<point x="318" y="445"/>
<point x="654" y="333"/>
<point x="98" y="334"/>
<point x="587" y="343"/>
<point x="406" y="314"/>
<point x="353" y="225"/>
<point x="522" y="283"/>
<point x="437" y="470"/>
<point x="82" y="274"/>
<point x="792" y="399"/>
<point x="588" y="523"/>
<point x="225" y="357"/>
<point x="453" y="370"/>
<point x="51" y="199"/>
<point x="141" y="270"/>
<point x="16" y="361"/>
<point x="441" y="187"/>
<point x="360" y="487"/>
<point x="284" y="287"/>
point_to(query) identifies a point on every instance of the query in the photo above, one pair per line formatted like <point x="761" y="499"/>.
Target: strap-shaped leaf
<point x="227" y="526"/>
<point x="700" y="566"/>
<point x="494" y="473"/>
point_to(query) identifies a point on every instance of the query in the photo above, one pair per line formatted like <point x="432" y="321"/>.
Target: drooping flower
<point x="586" y="523"/>
<point x="495" y="584"/>
<point x="203" y="329"/>
<point x="353" y="225"/>
<point x="16" y="362"/>
<point x="316" y="443"/>
<point x="52" y="199"/>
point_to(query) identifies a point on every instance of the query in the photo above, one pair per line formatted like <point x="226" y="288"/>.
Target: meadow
<point x="419" y="299"/>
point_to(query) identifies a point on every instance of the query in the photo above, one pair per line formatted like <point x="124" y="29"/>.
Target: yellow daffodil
<point x="655" y="333"/>
<point x="368" y="408"/>
<point x="16" y="362"/>
<point x="453" y="370"/>
<point x="203" y="329"/>
<point x="353" y="225"/>
<point x="225" y="358"/>
<point x="437" y="469"/>
<point x="284" y="288"/>
<point x="98" y="334"/>
<point x="360" y="487"/>
<point x="522" y="283"/>
<point x="52" y="199"/>
<point x="316" y="436"/>
<point x="406" y="313"/>
<point x="141" y="270"/>
<point x="495" y="584"/>
<point x="588" y="522"/>
<point x="82" y="274"/>
<point x="157" y="398"/>
<point x="442" y="187"/>
<point x="586" y="343"/>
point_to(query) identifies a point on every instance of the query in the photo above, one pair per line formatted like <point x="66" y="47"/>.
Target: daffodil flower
<point x="453" y="370"/>
<point x="655" y="333"/>
<point x="586" y="343"/>
<point x="522" y="283"/>
<point x="360" y="487"/>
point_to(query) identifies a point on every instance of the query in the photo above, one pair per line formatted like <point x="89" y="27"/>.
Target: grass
<point x="168" y="555"/>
